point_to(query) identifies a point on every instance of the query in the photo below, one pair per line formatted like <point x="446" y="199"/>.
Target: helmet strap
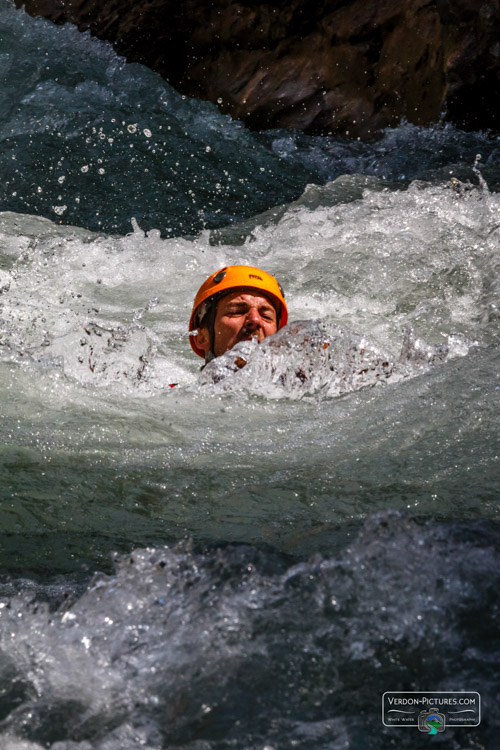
<point x="209" y="321"/>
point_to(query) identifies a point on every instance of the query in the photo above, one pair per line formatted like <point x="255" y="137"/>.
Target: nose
<point x="253" y="319"/>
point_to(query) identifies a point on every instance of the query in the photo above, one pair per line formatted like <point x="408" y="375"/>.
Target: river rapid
<point x="251" y="558"/>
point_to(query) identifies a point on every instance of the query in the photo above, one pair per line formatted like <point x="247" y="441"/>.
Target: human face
<point x="240" y="316"/>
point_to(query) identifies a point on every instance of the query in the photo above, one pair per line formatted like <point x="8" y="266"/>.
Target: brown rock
<point x="350" y="67"/>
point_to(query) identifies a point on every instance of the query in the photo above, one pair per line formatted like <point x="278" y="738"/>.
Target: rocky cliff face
<point x="339" y="66"/>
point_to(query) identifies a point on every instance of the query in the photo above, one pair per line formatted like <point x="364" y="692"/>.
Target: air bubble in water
<point x="147" y="133"/>
<point x="132" y="128"/>
<point x="85" y="168"/>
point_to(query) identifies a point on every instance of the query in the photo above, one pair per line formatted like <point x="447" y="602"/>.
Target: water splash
<point x="232" y="644"/>
<point x="315" y="358"/>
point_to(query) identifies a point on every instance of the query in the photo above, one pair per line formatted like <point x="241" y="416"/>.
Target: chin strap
<point x="208" y="316"/>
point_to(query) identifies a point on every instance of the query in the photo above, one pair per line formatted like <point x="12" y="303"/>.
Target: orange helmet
<point x="235" y="277"/>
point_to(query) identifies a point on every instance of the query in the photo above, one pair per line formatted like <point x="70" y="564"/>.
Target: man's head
<point x="235" y="304"/>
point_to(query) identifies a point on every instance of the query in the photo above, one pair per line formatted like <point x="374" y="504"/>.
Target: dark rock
<point x="345" y="66"/>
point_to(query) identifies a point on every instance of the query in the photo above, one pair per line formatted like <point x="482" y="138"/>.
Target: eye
<point x="233" y="312"/>
<point x="268" y="314"/>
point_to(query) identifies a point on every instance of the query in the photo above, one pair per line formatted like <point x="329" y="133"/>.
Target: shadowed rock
<point x="342" y="67"/>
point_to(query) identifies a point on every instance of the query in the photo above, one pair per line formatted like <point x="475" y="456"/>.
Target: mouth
<point x="248" y="335"/>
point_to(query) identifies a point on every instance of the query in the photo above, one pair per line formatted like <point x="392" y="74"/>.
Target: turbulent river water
<point x="252" y="558"/>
